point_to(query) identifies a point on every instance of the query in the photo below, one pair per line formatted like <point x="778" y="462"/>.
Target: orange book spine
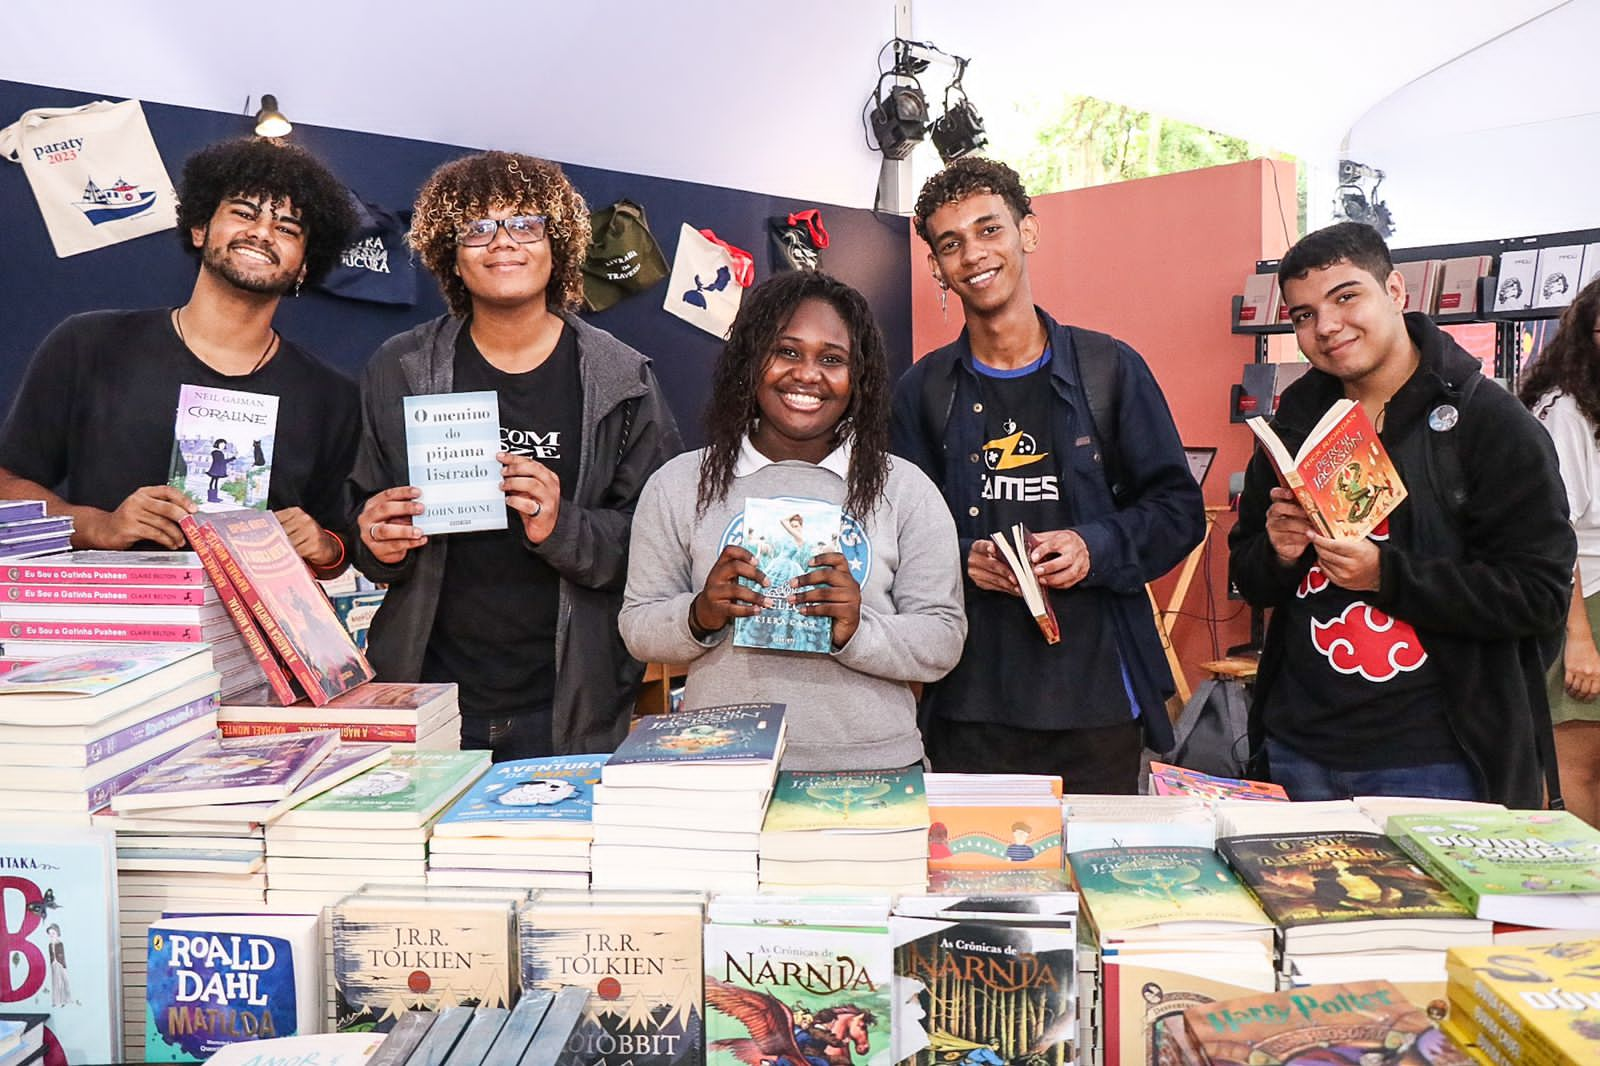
<point x="204" y="546"/>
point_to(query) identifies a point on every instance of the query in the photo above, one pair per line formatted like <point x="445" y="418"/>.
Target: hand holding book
<point x="725" y="596"/>
<point x="385" y="523"/>
<point x="831" y="591"/>
<point x="533" y="491"/>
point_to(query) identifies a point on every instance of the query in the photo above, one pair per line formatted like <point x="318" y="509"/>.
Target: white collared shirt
<point x="751" y="459"/>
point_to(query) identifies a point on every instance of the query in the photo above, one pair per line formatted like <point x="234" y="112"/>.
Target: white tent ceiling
<point x="749" y="94"/>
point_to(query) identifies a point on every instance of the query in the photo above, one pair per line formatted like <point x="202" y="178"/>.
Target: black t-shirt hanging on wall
<point x="94" y="416"/>
<point x="495" y="630"/>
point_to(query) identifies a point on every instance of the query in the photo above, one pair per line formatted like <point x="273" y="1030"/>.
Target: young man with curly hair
<point x="1025" y="420"/>
<point x="1407" y="662"/>
<point x="525" y="619"/>
<point x="94" y="416"/>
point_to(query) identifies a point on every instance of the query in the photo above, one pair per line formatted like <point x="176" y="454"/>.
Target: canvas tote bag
<point x="95" y="173"/>
<point x="704" y="289"/>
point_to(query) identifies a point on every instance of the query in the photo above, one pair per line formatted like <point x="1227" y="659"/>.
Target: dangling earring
<point x="944" y="299"/>
<point x="297" y="283"/>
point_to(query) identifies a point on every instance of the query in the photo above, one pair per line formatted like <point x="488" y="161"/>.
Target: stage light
<point x="899" y="117"/>
<point x="959" y="131"/>
<point x="270" y="122"/>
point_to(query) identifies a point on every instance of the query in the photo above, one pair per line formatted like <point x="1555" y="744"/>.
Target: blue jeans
<point x="1305" y="779"/>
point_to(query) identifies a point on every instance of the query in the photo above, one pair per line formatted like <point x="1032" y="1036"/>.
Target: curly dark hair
<point x="469" y="188"/>
<point x="970" y="176"/>
<point x="733" y="409"/>
<point x="1571" y="361"/>
<point x="269" y="170"/>
<point x="1353" y="242"/>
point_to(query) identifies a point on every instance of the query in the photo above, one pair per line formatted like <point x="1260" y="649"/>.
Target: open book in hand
<point x="1014" y="545"/>
<point x="1342" y="476"/>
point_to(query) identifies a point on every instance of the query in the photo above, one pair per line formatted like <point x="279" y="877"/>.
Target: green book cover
<point x="412" y="786"/>
<point x="1126" y="888"/>
<point x="798" y="991"/>
<point x="806" y="800"/>
<point x="1480" y="855"/>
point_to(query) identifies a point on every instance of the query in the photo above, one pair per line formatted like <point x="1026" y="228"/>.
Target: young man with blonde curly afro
<point x="523" y="620"/>
<point x="1024" y="420"/>
<point x="93" y="420"/>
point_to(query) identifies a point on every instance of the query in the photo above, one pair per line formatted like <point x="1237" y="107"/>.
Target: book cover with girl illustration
<point x="785" y="534"/>
<point x="222" y="444"/>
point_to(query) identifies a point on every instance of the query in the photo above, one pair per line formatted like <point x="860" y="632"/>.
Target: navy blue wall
<point x="37" y="290"/>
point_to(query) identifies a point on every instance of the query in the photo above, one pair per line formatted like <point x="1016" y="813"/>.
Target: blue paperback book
<point x="451" y="443"/>
<point x="732" y="736"/>
<point x="222" y="979"/>
<point x="548" y="797"/>
<point x="785" y="534"/>
<point x="58" y="935"/>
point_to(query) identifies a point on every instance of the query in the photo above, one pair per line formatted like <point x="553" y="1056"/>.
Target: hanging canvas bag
<point x="703" y="289"/>
<point x="95" y="173"/>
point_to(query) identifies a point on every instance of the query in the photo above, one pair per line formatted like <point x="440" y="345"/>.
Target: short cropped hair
<point x="1353" y="242"/>
<point x="970" y="176"/>
<point x="270" y="170"/>
<point x="469" y="188"/>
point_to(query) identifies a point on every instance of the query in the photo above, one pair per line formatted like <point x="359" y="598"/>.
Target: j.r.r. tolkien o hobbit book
<point x="1342" y="475"/>
<point x="391" y="955"/>
<point x="641" y="962"/>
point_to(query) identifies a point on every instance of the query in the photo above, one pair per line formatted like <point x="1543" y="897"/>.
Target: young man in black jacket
<point x="1024" y="419"/>
<point x="1406" y="662"/>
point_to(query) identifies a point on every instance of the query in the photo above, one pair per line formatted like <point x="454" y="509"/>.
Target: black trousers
<point x="1102" y="760"/>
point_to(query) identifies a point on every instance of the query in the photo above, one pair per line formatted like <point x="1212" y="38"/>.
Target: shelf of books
<point x="195" y="860"/>
<point x="1500" y="299"/>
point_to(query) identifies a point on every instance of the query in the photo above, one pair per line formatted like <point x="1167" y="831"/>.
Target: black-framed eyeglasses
<point x="524" y="229"/>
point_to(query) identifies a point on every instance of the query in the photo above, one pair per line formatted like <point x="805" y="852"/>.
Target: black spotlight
<point x="959" y="131"/>
<point x="899" y="117"/>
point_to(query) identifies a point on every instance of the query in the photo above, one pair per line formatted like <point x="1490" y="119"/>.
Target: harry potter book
<point x="785" y="535"/>
<point x="1318" y="1023"/>
<point x="1346" y="891"/>
<point x="1342" y="475"/>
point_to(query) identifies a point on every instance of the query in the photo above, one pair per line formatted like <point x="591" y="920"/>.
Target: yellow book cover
<point x="1551" y="993"/>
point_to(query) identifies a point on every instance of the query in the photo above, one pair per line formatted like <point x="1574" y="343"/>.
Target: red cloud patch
<point x="1314" y="582"/>
<point x="1363" y="640"/>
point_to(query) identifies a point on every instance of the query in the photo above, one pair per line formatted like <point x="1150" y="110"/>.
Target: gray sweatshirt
<point x="853" y="709"/>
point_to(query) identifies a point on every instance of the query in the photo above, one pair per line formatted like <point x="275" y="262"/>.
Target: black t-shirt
<point x="495" y="630"/>
<point x="1009" y="673"/>
<point x="94" y="416"/>
<point x="1358" y="689"/>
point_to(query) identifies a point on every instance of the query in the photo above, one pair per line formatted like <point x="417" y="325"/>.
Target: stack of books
<point x="27" y="532"/>
<point x="393" y="954"/>
<point x="427" y="715"/>
<point x="78" y="729"/>
<point x="1526" y="868"/>
<point x="524" y="823"/>
<point x="1368" y="1021"/>
<point x="1093" y="821"/>
<point x="978" y="973"/>
<point x="535" y="1031"/>
<point x="104" y="600"/>
<point x="807" y="968"/>
<point x="1169" y="908"/>
<point x="681" y="801"/>
<point x="1350" y="906"/>
<point x="847" y="832"/>
<point x="994" y="822"/>
<point x="374" y="827"/>
<point x="1535" y="1004"/>
<point x="57" y="913"/>
<point x="220" y="979"/>
<point x="647" y="946"/>
<point x="271" y="600"/>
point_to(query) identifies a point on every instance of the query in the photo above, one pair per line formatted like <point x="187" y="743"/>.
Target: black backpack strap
<point x="1099" y="372"/>
<point x="938" y="399"/>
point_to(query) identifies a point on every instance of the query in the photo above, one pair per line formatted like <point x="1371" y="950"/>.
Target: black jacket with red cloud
<point x="1485" y="578"/>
